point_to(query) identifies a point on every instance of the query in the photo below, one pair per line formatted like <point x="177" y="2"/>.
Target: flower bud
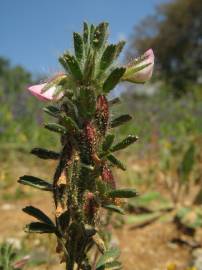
<point x="140" y="69"/>
<point x="90" y="206"/>
<point x="90" y="133"/>
<point x="107" y="176"/>
<point x="46" y="91"/>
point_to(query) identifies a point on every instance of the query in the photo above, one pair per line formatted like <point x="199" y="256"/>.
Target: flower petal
<point x="35" y="90"/>
<point x="46" y="91"/>
<point x="48" y="95"/>
<point x="142" y="68"/>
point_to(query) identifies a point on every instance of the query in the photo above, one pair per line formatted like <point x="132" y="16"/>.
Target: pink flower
<point x="47" y="91"/>
<point x="141" y="69"/>
<point x="36" y="90"/>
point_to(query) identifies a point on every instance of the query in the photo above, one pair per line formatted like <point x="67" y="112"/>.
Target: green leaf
<point x="86" y="102"/>
<point x="183" y="211"/>
<point x="150" y="201"/>
<point x="35" y="182"/>
<point x="113" y="79"/>
<point x="70" y="63"/>
<point x="108" y="142"/>
<point x="126" y="142"/>
<point x="146" y="199"/>
<point x="85" y="32"/>
<point x="63" y="220"/>
<point x="120" y="120"/>
<point x="109" y="256"/>
<point x="102" y="187"/>
<point x="89" y="68"/>
<point x="38" y="227"/>
<point x="45" y="154"/>
<point x="100" y="35"/>
<point x="190" y="217"/>
<point x="69" y="123"/>
<point x="107" y="57"/>
<point x="114" y="208"/>
<point x="78" y="46"/>
<point x="123" y="193"/>
<point x="92" y="31"/>
<point x="116" y="162"/>
<point x="115" y="265"/>
<point x="114" y="101"/>
<point x="56" y="128"/>
<point x="52" y="110"/>
<point x="119" y="48"/>
<point x="110" y="54"/>
<point x="7" y="256"/>
<point x="99" y="243"/>
<point x="143" y="219"/>
<point x="86" y="166"/>
<point x="89" y="230"/>
<point x="72" y="108"/>
<point x="187" y="163"/>
<point x="37" y="213"/>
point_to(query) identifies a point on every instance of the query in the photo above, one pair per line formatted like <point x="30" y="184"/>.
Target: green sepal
<point x="108" y="257"/>
<point x="52" y="110"/>
<point x="130" y="71"/>
<point x="78" y="46"/>
<point x="69" y="123"/>
<point x="56" y="128"/>
<point x="70" y="63"/>
<point x="107" y="57"/>
<point x="113" y="79"/>
<point x="38" y="214"/>
<point x="100" y="35"/>
<point x="108" y="141"/>
<point x="123" y="193"/>
<point x="39" y="227"/>
<point x="114" y="208"/>
<point x="120" y="120"/>
<point x="116" y="162"/>
<point x="35" y="182"/>
<point x="85" y="32"/>
<point x="45" y="154"/>
<point x="123" y="144"/>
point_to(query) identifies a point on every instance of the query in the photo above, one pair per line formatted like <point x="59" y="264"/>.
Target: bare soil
<point x="142" y="248"/>
<point x="147" y="248"/>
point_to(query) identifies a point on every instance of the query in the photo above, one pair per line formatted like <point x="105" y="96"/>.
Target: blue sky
<point x="35" y="32"/>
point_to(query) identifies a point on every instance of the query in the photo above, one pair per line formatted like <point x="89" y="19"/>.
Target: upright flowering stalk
<point x="83" y="185"/>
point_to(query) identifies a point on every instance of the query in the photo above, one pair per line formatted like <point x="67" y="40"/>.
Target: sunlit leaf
<point x="35" y="182"/>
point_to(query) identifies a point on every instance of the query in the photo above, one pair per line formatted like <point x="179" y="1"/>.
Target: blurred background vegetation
<point x="167" y="108"/>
